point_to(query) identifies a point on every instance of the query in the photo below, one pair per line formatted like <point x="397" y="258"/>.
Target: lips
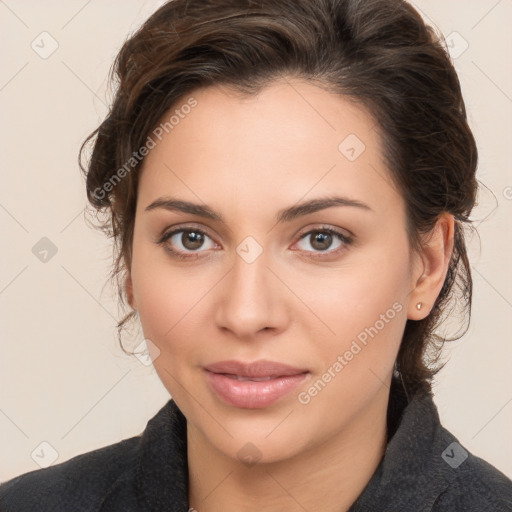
<point x="253" y="385"/>
<point x="257" y="370"/>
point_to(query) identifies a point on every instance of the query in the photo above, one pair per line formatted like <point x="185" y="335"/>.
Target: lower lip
<point x="252" y="394"/>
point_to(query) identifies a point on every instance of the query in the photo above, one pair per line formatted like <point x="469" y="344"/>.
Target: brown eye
<point x="186" y="242"/>
<point x="192" y="240"/>
<point x="321" y="240"/>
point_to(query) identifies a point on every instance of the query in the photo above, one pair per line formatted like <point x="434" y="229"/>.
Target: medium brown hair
<point x="377" y="53"/>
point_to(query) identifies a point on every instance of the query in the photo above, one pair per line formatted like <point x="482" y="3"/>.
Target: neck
<point x="333" y="473"/>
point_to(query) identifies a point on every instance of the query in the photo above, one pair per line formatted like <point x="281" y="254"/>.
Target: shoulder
<point x="426" y="467"/>
<point x="477" y="485"/>
<point x="79" y="484"/>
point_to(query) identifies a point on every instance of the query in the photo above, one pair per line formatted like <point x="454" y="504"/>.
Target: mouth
<point x="253" y="379"/>
<point x="254" y="385"/>
<point x="257" y="369"/>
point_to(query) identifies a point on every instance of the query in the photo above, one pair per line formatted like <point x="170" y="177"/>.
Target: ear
<point x="128" y="288"/>
<point x="431" y="272"/>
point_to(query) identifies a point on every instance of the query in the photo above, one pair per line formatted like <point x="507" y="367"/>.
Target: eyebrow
<point x="285" y="215"/>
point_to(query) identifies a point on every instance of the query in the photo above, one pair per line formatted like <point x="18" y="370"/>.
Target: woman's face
<point x="252" y="287"/>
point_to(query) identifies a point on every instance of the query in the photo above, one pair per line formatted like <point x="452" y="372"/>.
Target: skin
<point x="247" y="158"/>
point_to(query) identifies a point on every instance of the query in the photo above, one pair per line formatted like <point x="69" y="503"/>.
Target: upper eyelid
<point x="188" y="227"/>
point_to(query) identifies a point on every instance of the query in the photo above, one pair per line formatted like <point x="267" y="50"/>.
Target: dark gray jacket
<point x="423" y="469"/>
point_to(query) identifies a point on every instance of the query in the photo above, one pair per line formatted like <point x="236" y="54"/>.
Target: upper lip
<point x="261" y="368"/>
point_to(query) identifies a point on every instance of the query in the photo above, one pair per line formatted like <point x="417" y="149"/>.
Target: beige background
<point x="63" y="379"/>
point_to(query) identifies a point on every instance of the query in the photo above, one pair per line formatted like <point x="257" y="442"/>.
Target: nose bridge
<point x="250" y="298"/>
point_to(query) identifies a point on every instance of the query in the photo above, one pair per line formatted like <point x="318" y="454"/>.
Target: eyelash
<point x="347" y="240"/>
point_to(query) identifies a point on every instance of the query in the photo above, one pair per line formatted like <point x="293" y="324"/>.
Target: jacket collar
<point x="412" y="473"/>
<point x="161" y="481"/>
<point x="410" y="476"/>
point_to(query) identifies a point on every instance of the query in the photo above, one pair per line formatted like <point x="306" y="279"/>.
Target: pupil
<point x="192" y="240"/>
<point x="324" y="239"/>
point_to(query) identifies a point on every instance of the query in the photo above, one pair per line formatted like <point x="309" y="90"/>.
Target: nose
<point x="251" y="299"/>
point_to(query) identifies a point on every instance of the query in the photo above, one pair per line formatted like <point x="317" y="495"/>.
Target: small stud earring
<point x="419" y="306"/>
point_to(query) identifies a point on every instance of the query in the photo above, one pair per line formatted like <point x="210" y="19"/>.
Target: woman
<point x="287" y="184"/>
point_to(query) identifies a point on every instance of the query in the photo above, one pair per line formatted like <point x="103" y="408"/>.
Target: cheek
<point x="362" y="308"/>
<point x="167" y="308"/>
<point x="171" y="303"/>
<point x="159" y="294"/>
<point x="168" y="304"/>
<point x="353" y="365"/>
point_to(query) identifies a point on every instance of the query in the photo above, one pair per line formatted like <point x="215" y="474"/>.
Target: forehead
<point x="290" y="141"/>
